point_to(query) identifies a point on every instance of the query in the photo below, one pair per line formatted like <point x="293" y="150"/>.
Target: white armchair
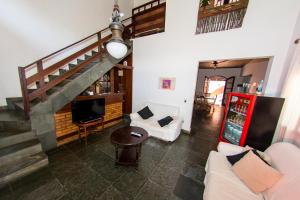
<point x="167" y="133"/>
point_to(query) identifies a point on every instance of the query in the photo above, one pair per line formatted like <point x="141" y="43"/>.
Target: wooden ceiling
<point x="224" y="63"/>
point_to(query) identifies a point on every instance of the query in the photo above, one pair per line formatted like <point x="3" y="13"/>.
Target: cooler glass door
<point x="235" y="119"/>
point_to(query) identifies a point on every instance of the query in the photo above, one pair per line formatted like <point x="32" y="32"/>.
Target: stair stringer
<point x="42" y="114"/>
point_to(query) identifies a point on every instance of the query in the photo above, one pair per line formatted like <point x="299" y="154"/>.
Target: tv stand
<point x="84" y="126"/>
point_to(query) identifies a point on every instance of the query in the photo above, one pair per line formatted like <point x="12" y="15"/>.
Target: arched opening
<point x="214" y="87"/>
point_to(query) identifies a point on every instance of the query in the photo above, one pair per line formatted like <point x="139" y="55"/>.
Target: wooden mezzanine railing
<point x="35" y="73"/>
<point x="149" y="18"/>
<point x="221" y="15"/>
<point x="146" y="19"/>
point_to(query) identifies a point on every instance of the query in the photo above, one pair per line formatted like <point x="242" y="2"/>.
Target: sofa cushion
<point x="145" y="113"/>
<point x="165" y="121"/>
<point x="160" y="110"/>
<point x="286" y="159"/>
<point x="218" y="164"/>
<point x="220" y="188"/>
<point x="255" y="173"/>
<point x="235" y="158"/>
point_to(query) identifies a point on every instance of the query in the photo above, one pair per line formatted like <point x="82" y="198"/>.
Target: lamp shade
<point x="116" y="49"/>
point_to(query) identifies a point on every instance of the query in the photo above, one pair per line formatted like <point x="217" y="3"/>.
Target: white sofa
<point x="167" y="133"/>
<point x="222" y="184"/>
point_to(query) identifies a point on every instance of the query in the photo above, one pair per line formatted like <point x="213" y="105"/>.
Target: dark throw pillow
<point x="145" y="113"/>
<point x="235" y="158"/>
<point x="165" y="121"/>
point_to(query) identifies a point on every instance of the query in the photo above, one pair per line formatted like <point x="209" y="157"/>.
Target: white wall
<point x="31" y="29"/>
<point x="140" y="2"/>
<point x="257" y="69"/>
<point x="176" y="53"/>
<point x="226" y="72"/>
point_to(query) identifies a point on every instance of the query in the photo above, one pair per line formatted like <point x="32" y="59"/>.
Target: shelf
<point x="235" y="124"/>
<point x="120" y="66"/>
<point x="231" y="140"/>
<point x="239" y="113"/>
<point x="109" y="97"/>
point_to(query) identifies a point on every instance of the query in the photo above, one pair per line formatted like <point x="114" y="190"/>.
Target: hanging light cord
<point x="116" y="17"/>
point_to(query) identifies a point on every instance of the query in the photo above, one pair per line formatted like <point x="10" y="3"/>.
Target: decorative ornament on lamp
<point x="116" y="46"/>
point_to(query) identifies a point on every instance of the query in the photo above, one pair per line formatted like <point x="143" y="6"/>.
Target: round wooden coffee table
<point x="127" y="146"/>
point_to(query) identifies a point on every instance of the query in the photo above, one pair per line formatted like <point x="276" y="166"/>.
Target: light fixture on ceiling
<point x="116" y="46"/>
<point x="216" y="63"/>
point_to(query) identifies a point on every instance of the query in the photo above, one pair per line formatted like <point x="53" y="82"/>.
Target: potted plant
<point x="204" y="3"/>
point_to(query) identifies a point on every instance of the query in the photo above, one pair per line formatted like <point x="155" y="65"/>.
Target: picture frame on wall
<point x="167" y="83"/>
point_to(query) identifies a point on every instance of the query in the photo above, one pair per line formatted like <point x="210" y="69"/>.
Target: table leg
<point x="102" y="125"/>
<point x="140" y="149"/>
<point x="137" y="148"/>
<point x="79" y="135"/>
<point x="85" y="133"/>
<point x="117" y="153"/>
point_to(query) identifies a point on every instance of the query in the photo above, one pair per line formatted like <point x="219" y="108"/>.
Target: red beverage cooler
<point x="250" y="120"/>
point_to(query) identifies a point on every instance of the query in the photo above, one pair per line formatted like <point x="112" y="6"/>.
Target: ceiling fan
<point x="215" y="63"/>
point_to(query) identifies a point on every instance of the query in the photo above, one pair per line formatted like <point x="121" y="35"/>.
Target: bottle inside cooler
<point x="236" y="117"/>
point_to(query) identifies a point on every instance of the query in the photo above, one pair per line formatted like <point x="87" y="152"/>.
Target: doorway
<point x="217" y="78"/>
<point x="214" y="87"/>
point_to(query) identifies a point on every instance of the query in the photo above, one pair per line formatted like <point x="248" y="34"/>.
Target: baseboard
<point x="3" y="108"/>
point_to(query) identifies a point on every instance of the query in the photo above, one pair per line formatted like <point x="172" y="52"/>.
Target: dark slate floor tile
<point x="165" y="176"/>
<point x="109" y="170"/>
<point x="195" y="172"/>
<point x="146" y="165"/>
<point x="107" y="148"/>
<point x="40" y="185"/>
<point x="87" y="184"/>
<point x="65" y="197"/>
<point x="187" y="189"/>
<point x="92" y="155"/>
<point x="130" y="183"/>
<point x="6" y="193"/>
<point x="151" y="191"/>
<point x="173" y="171"/>
<point x="112" y="194"/>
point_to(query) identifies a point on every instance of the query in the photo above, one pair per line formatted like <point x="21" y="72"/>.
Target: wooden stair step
<point x="31" y="90"/>
<point x="62" y="71"/>
<point x="22" y="167"/>
<point x="79" y="61"/>
<point x="74" y="76"/>
<point x="86" y="56"/>
<point x="52" y="77"/>
<point x="71" y="66"/>
<point x="19" y="104"/>
<point x="10" y="137"/>
<point x="54" y="90"/>
<point x="17" y="151"/>
<point x="38" y="83"/>
<point x="11" y="116"/>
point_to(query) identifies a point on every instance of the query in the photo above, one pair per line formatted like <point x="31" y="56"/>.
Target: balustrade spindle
<point x="23" y="83"/>
<point x="40" y="69"/>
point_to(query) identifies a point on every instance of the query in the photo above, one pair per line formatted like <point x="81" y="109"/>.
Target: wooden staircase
<point x="27" y="126"/>
<point x="20" y="150"/>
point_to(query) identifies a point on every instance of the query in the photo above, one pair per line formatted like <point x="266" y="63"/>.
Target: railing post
<point x="99" y="39"/>
<point x="23" y="83"/>
<point x="40" y="69"/>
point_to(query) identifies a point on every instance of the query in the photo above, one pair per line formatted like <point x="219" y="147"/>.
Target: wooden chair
<point x="87" y="125"/>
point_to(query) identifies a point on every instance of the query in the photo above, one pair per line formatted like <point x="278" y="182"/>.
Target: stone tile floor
<point x="166" y="170"/>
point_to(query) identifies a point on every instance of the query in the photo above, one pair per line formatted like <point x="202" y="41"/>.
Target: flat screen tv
<point x="88" y="110"/>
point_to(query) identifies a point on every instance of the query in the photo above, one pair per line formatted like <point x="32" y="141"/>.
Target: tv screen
<point x="88" y="110"/>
